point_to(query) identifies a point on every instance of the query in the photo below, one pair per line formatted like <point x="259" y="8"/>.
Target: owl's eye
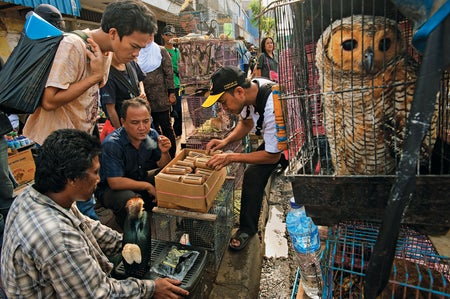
<point x="384" y="44"/>
<point x="349" y="45"/>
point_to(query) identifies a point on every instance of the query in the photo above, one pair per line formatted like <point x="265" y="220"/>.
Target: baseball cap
<point x="223" y="79"/>
<point x="49" y="13"/>
<point x="169" y="29"/>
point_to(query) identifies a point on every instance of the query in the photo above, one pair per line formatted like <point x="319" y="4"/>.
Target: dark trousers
<point x="162" y="124"/>
<point x="116" y="200"/>
<point x="254" y="182"/>
<point x="177" y="107"/>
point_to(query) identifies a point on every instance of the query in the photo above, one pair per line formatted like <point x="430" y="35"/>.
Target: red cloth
<point x="107" y="129"/>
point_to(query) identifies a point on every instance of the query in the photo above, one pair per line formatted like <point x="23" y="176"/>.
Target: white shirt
<point x="268" y="130"/>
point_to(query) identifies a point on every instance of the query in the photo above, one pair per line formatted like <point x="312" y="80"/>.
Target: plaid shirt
<point x="51" y="252"/>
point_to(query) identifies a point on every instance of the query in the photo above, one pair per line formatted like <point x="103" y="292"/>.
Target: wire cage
<point x="347" y="73"/>
<point x="201" y="57"/>
<point x="208" y="122"/>
<point x="210" y="231"/>
<point x="194" y="279"/>
<point x="418" y="270"/>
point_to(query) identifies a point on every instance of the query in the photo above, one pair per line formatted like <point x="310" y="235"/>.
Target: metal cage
<point x="418" y="270"/>
<point x="343" y="123"/>
<point x="210" y="231"/>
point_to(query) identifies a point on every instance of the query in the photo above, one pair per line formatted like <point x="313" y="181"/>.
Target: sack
<point x="23" y="78"/>
<point x="273" y="76"/>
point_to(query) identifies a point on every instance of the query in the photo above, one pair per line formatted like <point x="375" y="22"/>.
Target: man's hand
<point x="97" y="59"/>
<point x="168" y="288"/>
<point x="172" y="98"/>
<point x="164" y="143"/>
<point x="215" y="144"/>
<point x="143" y="95"/>
<point x="151" y="189"/>
<point x="218" y="161"/>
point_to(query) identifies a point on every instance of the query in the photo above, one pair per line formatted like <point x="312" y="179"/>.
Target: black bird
<point x="136" y="231"/>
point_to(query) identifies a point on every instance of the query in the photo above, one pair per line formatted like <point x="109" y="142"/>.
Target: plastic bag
<point x="23" y="78"/>
<point x="273" y="76"/>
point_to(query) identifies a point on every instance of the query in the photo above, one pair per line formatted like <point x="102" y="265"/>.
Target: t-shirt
<point x="70" y="65"/>
<point x="175" y="55"/>
<point x="267" y="64"/>
<point x="115" y="92"/>
<point x="268" y="130"/>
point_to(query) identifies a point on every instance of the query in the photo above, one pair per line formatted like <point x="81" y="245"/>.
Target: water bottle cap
<point x="294" y="205"/>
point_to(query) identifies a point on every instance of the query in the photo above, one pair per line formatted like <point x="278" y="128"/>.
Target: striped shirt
<point x="51" y="252"/>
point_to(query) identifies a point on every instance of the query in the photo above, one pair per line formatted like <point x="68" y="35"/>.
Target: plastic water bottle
<point x="306" y="242"/>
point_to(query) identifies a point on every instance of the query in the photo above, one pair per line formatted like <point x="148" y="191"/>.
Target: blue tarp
<point x="68" y="7"/>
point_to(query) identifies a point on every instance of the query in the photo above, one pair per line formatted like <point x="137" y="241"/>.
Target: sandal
<point x="243" y="239"/>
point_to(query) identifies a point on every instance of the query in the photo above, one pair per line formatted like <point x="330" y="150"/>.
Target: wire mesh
<point x="418" y="270"/>
<point x="200" y="58"/>
<point x="207" y="123"/>
<point x="313" y="110"/>
<point x="210" y="235"/>
<point x="346" y="124"/>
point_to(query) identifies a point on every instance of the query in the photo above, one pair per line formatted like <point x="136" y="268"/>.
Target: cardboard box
<point x="22" y="166"/>
<point x="196" y="198"/>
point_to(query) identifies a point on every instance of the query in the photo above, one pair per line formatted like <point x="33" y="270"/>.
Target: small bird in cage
<point x="367" y="85"/>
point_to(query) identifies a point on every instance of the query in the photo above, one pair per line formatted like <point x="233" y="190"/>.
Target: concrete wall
<point x="11" y="25"/>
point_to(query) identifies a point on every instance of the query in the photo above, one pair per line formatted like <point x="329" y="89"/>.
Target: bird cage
<point x="418" y="270"/>
<point x="347" y="73"/>
<point x="200" y="36"/>
<point x="201" y="56"/>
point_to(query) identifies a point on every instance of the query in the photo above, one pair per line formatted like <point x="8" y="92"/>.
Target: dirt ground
<point x="278" y="274"/>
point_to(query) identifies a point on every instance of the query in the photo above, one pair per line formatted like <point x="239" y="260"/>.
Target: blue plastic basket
<point x="418" y="270"/>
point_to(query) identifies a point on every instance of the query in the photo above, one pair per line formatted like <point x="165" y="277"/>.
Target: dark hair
<point x="134" y="102"/>
<point x="65" y="154"/>
<point x="263" y="44"/>
<point x="128" y="16"/>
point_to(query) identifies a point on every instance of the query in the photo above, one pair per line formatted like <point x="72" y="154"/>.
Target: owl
<point x="367" y="83"/>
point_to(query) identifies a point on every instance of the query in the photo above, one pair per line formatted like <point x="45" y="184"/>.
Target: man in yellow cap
<point x="238" y="95"/>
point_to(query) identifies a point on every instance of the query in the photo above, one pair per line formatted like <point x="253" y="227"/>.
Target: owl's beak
<point x="368" y="60"/>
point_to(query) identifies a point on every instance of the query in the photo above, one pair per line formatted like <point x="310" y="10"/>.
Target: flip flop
<point x="243" y="239"/>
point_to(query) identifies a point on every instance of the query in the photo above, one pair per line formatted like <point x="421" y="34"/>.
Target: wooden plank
<point x="442" y="243"/>
<point x="186" y="214"/>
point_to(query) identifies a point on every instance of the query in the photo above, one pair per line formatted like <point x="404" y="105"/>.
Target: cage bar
<point x="418" y="269"/>
<point x="342" y="158"/>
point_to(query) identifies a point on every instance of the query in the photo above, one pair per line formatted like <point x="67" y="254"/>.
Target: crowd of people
<point x="52" y="233"/>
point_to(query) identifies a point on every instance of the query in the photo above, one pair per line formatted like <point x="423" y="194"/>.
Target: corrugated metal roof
<point x="68" y="7"/>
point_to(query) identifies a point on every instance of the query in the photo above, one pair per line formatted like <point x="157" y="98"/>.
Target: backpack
<point x="261" y="99"/>
<point x="25" y="73"/>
